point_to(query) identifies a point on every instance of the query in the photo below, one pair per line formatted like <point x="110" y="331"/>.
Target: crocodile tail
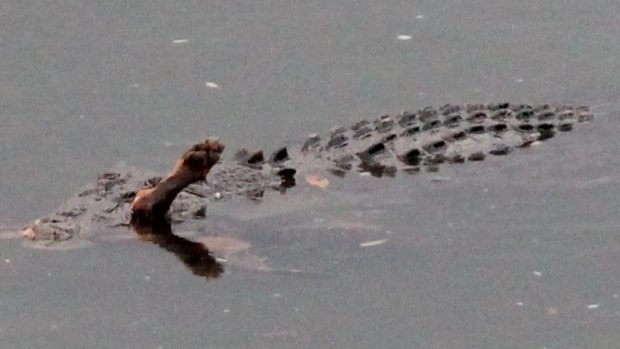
<point x="431" y="136"/>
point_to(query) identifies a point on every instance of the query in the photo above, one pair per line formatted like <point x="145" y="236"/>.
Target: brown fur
<point x="152" y="204"/>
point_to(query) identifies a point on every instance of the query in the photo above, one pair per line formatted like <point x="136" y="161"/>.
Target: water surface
<point x="514" y="252"/>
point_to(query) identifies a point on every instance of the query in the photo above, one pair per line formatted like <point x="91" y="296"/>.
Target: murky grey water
<point x="517" y="252"/>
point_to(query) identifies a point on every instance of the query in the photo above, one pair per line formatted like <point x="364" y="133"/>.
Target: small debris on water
<point x="211" y="84"/>
<point x="277" y="295"/>
<point x="317" y="181"/>
<point x="593" y="306"/>
<point x="217" y="195"/>
<point x="519" y="81"/>
<point x="294" y="270"/>
<point x="551" y="311"/>
<point x="404" y="37"/>
<point x="373" y="243"/>
<point x="180" y="41"/>
<point x="616" y="295"/>
<point x="147" y="278"/>
<point x="227" y="310"/>
<point x="419" y="17"/>
<point x="537" y="273"/>
<point x="221" y="260"/>
<point x="7" y="260"/>
<point x="520" y="304"/>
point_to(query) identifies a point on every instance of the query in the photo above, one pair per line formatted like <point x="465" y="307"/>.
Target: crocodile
<point x="409" y="142"/>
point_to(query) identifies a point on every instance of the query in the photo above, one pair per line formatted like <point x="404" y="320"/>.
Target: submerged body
<point x="407" y="142"/>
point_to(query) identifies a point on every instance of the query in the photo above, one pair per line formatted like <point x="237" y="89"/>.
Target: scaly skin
<point x="408" y="142"/>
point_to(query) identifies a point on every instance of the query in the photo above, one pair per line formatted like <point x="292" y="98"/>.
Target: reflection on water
<point x="194" y="255"/>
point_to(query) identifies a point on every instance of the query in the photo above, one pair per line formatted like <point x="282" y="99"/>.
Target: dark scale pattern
<point x="451" y="133"/>
<point x="407" y="142"/>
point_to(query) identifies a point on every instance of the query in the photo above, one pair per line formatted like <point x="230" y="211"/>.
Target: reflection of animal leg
<point x="153" y="203"/>
<point x="194" y="255"/>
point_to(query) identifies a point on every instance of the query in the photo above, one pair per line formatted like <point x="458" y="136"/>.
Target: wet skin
<point x="150" y="207"/>
<point x="152" y="204"/>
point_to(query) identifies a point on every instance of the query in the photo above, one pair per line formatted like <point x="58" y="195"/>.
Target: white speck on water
<point x="593" y="306"/>
<point x="147" y="278"/>
<point x="615" y="295"/>
<point x="217" y="195"/>
<point x="373" y="243"/>
<point x="180" y="41"/>
<point x="295" y="270"/>
<point x="212" y="84"/>
<point x="537" y="273"/>
<point x="49" y="274"/>
<point x="82" y="116"/>
<point x="277" y="295"/>
<point x="7" y="260"/>
<point x="221" y="260"/>
<point x="520" y="304"/>
<point x="404" y="37"/>
<point x="419" y="17"/>
<point x="168" y="144"/>
<point x="227" y="310"/>
<point x="519" y="81"/>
